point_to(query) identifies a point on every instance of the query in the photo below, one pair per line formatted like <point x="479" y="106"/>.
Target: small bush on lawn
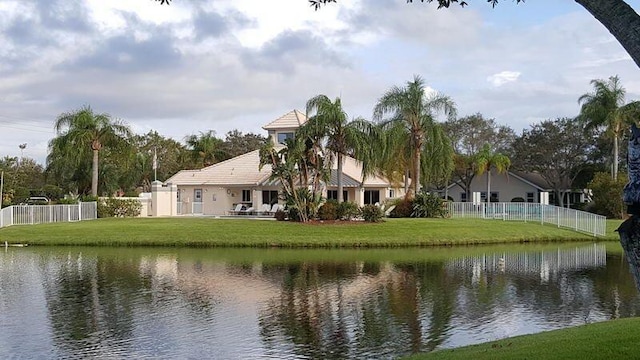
<point x="328" y="210"/>
<point x="371" y="213"/>
<point x="348" y="211"/>
<point x="114" y="207"/>
<point x="403" y="209"/>
<point x="426" y="205"/>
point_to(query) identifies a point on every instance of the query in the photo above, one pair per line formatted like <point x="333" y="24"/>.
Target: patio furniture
<point x="264" y="210"/>
<point x="248" y="211"/>
<point x="237" y="210"/>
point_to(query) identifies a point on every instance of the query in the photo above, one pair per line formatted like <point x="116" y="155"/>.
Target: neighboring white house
<point x="514" y="186"/>
<point x="219" y="188"/>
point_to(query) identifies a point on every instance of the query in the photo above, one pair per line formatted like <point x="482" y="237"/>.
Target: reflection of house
<point x="216" y="189"/>
<point x="514" y="186"/>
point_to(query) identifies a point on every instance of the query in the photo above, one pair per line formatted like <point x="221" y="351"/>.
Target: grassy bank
<point x="616" y="339"/>
<point x="252" y="233"/>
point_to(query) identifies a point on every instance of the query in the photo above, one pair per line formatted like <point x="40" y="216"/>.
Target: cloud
<point x="503" y="77"/>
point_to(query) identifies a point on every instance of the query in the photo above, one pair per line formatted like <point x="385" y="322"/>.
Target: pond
<point x="68" y="302"/>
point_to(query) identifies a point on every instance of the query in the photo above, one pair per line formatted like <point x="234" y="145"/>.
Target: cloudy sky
<point x="200" y="65"/>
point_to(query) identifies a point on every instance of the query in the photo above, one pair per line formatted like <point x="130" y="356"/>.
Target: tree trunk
<point x="406" y="181"/>
<point x="621" y="21"/>
<point x="616" y="155"/>
<point x="340" y="197"/>
<point x="630" y="240"/>
<point x="489" y="185"/>
<point x="94" y="177"/>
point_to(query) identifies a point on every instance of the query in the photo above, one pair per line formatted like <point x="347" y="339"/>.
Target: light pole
<point x="22" y="147"/>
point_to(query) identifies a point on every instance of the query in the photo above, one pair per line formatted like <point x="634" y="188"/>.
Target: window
<point x="463" y="197"/>
<point x="246" y="195"/>
<point x="283" y="136"/>
<point x="392" y="193"/>
<point x="494" y="196"/>
<point x="530" y="197"/>
<point x="269" y="197"/>
<point x="197" y="195"/>
<point x="333" y="195"/>
<point x="371" y="196"/>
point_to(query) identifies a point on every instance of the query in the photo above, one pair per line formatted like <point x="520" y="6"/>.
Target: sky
<point x="200" y="65"/>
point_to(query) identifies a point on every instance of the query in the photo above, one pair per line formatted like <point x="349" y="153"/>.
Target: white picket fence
<point x="40" y="214"/>
<point x="580" y="221"/>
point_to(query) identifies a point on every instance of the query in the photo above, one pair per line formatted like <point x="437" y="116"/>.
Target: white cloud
<point x="503" y="77"/>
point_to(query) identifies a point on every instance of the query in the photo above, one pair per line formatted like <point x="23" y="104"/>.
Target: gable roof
<point x="240" y="170"/>
<point x="291" y="120"/>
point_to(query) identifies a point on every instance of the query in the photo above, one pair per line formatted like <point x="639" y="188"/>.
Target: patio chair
<point x="248" y="211"/>
<point x="388" y="211"/>
<point x="237" y="210"/>
<point x="264" y="210"/>
<point x="274" y="209"/>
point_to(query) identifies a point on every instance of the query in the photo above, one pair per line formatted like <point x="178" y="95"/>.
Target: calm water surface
<point x="58" y="302"/>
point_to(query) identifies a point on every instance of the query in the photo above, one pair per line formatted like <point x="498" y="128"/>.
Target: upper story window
<point x="283" y="136"/>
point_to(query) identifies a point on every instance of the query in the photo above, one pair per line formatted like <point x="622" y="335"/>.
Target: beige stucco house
<point x="514" y="186"/>
<point x="219" y="188"/>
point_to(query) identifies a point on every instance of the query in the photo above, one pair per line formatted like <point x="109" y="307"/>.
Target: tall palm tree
<point x="328" y="120"/>
<point x="83" y="128"/>
<point x="487" y="159"/>
<point x="206" y="149"/>
<point x="605" y="107"/>
<point x="411" y="106"/>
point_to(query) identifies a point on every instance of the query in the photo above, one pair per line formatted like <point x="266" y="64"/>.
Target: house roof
<point x="240" y="170"/>
<point x="347" y="181"/>
<point x="291" y="120"/>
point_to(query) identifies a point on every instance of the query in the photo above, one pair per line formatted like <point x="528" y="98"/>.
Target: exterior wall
<point x="163" y="199"/>
<point x="506" y="187"/>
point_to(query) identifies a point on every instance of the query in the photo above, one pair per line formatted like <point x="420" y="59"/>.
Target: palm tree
<point x="605" y="107"/>
<point x="206" y="149"/>
<point x="83" y="129"/>
<point x="415" y="110"/>
<point x="343" y="138"/>
<point x="486" y="159"/>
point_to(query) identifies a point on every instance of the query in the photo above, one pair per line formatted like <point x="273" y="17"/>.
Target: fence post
<point x="504" y="211"/>
<point x="558" y="218"/>
<point x="541" y="214"/>
<point x="79" y="210"/>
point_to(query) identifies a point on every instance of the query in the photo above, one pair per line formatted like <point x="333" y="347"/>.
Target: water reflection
<point x="239" y="304"/>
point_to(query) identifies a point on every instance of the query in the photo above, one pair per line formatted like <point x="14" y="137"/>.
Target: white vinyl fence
<point x="40" y="214"/>
<point x="580" y="221"/>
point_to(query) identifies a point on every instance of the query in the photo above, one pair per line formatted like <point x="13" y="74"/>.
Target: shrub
<point x="114" y="207"/>
<point x="517" y="199"/>
<point x="371" y="213"/>
<point x="348" y="211"/>
<point x="280" y="215"/>
<point x="607" y="195"/>
<point x="426" y="205"/>
<point x="328" y="210"/>
<point x="403" y="209"/>
<point x="67" y="201"/>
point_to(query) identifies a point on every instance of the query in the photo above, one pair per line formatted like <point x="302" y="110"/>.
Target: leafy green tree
<point x="411" y="107"/>
<point x="607" y="195"/>
<point x="327" y="120"/>
<point x="556" y="150"/>
<point x="236" y="143"/>
<point x="469" y="135"/>
<point x="170" y="156"/>
<point x="83" y="129"/>
<point x="206" y="149"/>
<point x="300" y="167"/>
<point x="21" y="179"/>
<point x="605" y="108"/>
<point x="487" y="159"/>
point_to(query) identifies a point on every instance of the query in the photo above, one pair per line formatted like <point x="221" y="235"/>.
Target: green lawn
<point x="254" y="233"/>
<point x="617" y="339"/>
